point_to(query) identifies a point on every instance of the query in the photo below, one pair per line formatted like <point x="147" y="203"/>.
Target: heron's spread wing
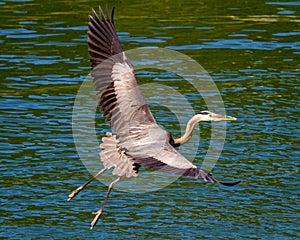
<point x="170" y="161"/>
<point x="149" y="147"/>
<point x="121" y="100"/>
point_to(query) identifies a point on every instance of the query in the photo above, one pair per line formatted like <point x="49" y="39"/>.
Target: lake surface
<point x="250" y="49"/>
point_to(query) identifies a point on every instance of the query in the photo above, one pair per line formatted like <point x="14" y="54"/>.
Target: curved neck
<point x="188" y="131"/>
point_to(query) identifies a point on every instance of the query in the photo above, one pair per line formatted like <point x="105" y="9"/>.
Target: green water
<point x="250" y="49"/>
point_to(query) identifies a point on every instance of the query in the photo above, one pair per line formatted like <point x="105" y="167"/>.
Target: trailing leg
<point x="77" y="190"/>
<point x="99" y="212"/>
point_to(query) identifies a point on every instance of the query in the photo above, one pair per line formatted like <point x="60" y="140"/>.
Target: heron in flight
<point x="137" y="140"/>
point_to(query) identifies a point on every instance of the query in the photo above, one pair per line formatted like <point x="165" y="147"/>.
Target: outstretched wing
<point x="155" y="152"/>
<point x="168" y="160"/>
<point x="121" y="100"/>
<point x="159" y="163"/>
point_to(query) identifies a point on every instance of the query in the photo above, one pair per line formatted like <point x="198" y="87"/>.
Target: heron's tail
<point x="112" y="156"/>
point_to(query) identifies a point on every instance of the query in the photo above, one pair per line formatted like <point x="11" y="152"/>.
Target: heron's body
<point x="139" y="141"/>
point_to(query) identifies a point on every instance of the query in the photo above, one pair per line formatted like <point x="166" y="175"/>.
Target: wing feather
<point x="121" y="100"/>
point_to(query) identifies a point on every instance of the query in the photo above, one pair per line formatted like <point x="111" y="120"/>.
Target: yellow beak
<point x="224" y="118"/>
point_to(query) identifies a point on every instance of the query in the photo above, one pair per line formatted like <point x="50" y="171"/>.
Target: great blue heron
<point x="138" y="140"/>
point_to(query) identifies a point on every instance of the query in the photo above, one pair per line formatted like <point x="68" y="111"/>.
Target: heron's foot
<point x="74" y="193"/>
<point x="96" y="218"/>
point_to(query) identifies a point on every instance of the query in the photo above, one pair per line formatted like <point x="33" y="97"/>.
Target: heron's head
<point x="207" y="116"/>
